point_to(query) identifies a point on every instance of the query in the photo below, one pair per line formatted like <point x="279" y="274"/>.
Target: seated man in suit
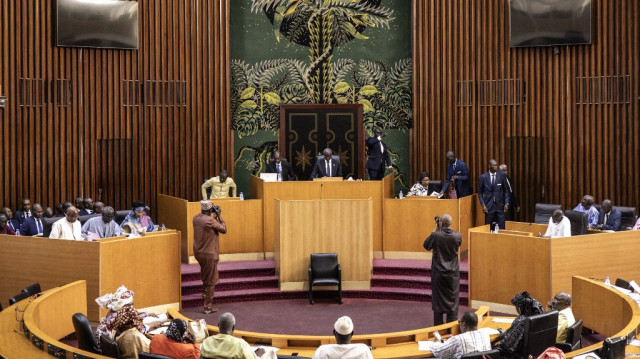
<point x="343" y="331"/>
<point x="470" y="340"/>
<point x="87" y="203"/>
<point x="562" y="303"/>
<point x="4" y="228"/>
<point x="33" y="226"/>
<point x="24" y="212"/>
<point x="586" y="206"/>
<point x="327" y="166"/>
<point x="559" y="225"/>
<point x="609" y="218"/>
<point x="493" y="193"/>
<point x="12" y="223"/>
<point x="281" y="167"/>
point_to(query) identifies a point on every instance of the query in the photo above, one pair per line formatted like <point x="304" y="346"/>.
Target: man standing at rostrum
<point x="445" y="272"/>
<point x="206" y="227"/>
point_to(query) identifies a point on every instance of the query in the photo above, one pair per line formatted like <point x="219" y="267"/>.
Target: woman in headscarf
<point x="137" y="220"/>
<point x="421" y="188"/>
<point x="176" y="342"/>
<point x="511" y="340"/>
<point x="122" y="314"/>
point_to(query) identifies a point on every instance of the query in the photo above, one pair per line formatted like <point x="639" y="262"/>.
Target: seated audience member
<point x="4" y="227"/>
<point x="421" y="188"/>
<point x="220" y="186"/>
<point x="343" y="331"/>
<point x="137" y="219"/>
<point x="122" y="314"/>
<point x="637" y="226"/>
<point x="48" y="213"/>
<point x="33" y="226"/>
<point x="225" y="345"/>
<point x="101" y="227"/>
<point x="281" y="167"/>
<point x="68" y="227"/>
<point x="12" y="223"/>
<point x="176" y="342"/>
<point x="87" y="209"/>
<point x="65" y="205"/>
<point x="562" y="303"/>
<point x="609" y="218"/>
<point x="24" y="212"/>
<point x="59" y="211"/>
<point x="79" y="203"/>
<point x="470" y="340"/>
<point x="586" y="206"/>
<point x="98" y="207"/>
<point x="511" y="340"/>
<point x="559" y="225"/>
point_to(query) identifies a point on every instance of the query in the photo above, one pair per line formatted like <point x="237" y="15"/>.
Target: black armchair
<point x="544" y="212"/>
<point x="84" y="334"/>
<point x="540" y="332"/>
<point x="18" y="297"/>
<point x="32" y="289"/>
<point x="493" y="354"/>
<point x="47" y="224"/>
<point x="324" y="270"/>
<point x="574" y="338"/>
<point x="435" y="185"/>
<point x="121" y="215"/>
<point x="579" y="222"/>
<point x="109" y="347"/>
<point x="145" y="355"/>
<point x="627" y="216"/>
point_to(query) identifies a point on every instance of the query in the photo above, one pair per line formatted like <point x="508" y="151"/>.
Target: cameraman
<point x="445" y="273"/>
<point x="206" y="227"/>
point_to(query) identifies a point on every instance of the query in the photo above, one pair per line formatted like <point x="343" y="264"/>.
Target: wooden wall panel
<point x="56" y="151"/>
<point x="590" y="135"/>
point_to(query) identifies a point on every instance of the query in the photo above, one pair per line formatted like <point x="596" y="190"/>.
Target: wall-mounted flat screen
<point x="550" y="22"/>
<point x="97" y="23"/>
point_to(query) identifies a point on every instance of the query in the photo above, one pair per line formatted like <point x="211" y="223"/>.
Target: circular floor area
<point x="298" y="317"/>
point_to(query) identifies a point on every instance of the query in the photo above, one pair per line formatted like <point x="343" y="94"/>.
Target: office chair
<point x="540" y="332"/>
<point x="84" y="334"/>
<point x="544" y="212"/>
<point x="579" y="222"/>
<point x="574" y="338"/>
<point x="109" y="347"/>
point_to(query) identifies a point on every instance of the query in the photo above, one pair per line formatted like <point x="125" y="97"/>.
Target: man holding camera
<point x="445" y="272"/>
<point x="206" y="227"/>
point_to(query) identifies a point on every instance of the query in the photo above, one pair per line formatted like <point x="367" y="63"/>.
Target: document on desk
<point x="489" y="331"/>
<point x="425" y="345"/>
<point x="503" y="320"/>
<point x="635" y="343"/>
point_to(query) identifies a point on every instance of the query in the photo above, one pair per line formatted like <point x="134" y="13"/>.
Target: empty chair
<point x="84" y="334"/>
<point x="579" y="222"/>
<point x="435" y="186"/>
<point x="324" y="270"/>
<point x="544" y="212"/>
<point x="32" y="289"/>
<point x="109" y="347"/>
<point x="539" y="333"/>
<point x="574" y="338"/>
<point x="145" y="355"/>
<point x="493" y="354"/>
<point x="18" y="297"/>
<point x="628" y="216"/>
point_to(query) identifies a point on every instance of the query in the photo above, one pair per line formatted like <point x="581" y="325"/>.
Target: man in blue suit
<point x="327" y="165"/>
<point x="33" y="225"/>
<point x="457" y="172"/>
<point x="609" y="218"/>
<point x="493" y="193"/>
<point x="378" y="155"/>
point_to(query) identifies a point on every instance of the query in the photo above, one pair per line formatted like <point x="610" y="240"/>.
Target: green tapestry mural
<point x="319" y="51"/>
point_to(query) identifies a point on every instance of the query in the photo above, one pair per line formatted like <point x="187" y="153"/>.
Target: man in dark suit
<point x="12" y="222"/>
<point x="609" y="218"/>
<point x="493" y="193"/>
<point x="24" y="212"/>
<point x="514" y="206"/>
<point x="281" y="167"/>
<point x="378" y="155"/>
<point x="327" y="165"/>
<point x="33" y="225"/>
<point x="457" y="172"/>
<point x="88" y="207"/>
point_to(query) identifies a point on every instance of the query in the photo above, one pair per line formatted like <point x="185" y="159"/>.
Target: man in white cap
<point x="343" y="349"/>
<point x="206" y="227"/>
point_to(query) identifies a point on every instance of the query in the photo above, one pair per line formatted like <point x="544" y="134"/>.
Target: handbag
<point x="198" y="328"/>
<point x="613" y="348"/>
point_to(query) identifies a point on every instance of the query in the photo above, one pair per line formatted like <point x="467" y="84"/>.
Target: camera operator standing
<point x="206" y="227"/>
<point x="445" y="272"/>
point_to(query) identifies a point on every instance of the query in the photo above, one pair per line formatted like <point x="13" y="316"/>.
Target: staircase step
<point x="195" y="286"/>
<point x="408" y="281"/>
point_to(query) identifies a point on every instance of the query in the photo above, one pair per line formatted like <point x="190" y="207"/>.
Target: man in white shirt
<point x="470" y="340"/>
<point x="559" y="225"/>
<point x="343" y="349"/>
<point x="68" y="227"/>
<point x="562" y="303"/>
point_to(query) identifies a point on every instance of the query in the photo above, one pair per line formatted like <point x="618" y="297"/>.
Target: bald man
<point x="327" y="166"/>
<point x="68" y="227"/>
<point x="562" y="303"/>
<point x="445" y="272"/>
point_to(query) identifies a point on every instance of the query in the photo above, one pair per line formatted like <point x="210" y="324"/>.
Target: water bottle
<point x="163" y="228"/>
<point x="497" y="228"/>
<point x="17" y="232"/>
<point x="400" y="195"/>
<point x="241" y="196"/>
<point x="607" y="281"/>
